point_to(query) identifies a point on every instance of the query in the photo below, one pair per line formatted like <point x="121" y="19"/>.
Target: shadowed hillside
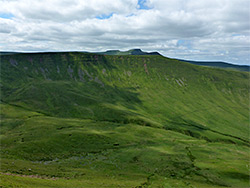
<point x="93" y="120"/>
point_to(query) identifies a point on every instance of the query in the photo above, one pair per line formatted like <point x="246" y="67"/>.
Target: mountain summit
<point x="129" y="52"/>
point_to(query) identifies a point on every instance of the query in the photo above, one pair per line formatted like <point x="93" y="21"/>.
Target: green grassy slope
<point x="134" y="121"/>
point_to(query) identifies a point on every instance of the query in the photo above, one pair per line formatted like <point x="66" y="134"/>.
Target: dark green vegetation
<point x="220" y="65"/>
<point x="8" y="53"/>
<point x="89" y="120"/>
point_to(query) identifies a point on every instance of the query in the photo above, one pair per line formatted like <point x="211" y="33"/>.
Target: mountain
<point x="129" y="52"/>
<point x="220" y="65"/>
<point x="140" y="52"/>
<point x="8" y="53"/>
<point x="200" y="63"/>
<point x="72" y="119"/>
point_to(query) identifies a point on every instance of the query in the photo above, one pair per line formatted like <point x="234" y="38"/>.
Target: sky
<point x="202" y="30"/>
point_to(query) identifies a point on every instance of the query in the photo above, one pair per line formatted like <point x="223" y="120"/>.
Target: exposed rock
<point x="44" y="73"/>
<point x="70" y="71"/>
<point x="90" y="77"/>
<point x="81" y="75"/>
<point x="98" y="81"/>
<point x="58" y="69"/>
<point x="13" y="62"/>
<point x="180" y="82"/>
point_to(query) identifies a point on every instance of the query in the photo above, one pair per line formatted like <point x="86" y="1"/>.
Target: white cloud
<point x="199" y="30"/>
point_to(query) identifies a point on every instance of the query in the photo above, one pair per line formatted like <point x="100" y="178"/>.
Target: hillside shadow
<point x="237" y="175"/>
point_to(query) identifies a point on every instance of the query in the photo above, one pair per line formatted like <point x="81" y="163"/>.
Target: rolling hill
<point x="73" y="119"/>
<point x="220" y="65"/>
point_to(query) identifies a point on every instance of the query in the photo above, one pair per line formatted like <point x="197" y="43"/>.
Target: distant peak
<point x="113" y="51"/>
<point x="140" y="52"/>
<point x="135" y="51"/>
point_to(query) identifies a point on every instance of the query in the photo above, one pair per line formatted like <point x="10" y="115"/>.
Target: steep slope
<point x="130" y="120"/>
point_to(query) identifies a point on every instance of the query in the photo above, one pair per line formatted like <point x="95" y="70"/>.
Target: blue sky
<point x="104" y="16"/>
<point x="142" y="5"/>
<point x="216" y="30"/>
<point x="6" y="15"/>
